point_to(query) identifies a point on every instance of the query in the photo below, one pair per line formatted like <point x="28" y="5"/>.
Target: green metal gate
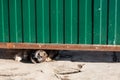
<point x="60" y="21"/>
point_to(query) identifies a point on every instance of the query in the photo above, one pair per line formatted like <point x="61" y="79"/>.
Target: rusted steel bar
<point x="60" y="46"/>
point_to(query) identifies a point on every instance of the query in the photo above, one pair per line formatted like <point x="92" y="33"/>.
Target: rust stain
<point x="60" y="46"/>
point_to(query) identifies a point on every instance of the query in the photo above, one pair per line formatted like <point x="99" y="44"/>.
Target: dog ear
<point x="33" y="60"/>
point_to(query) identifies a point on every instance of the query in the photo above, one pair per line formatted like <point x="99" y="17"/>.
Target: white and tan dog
<point x="36" y="56"/>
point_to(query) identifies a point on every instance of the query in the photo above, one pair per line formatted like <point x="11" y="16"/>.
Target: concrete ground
<point x="97" y="66"/>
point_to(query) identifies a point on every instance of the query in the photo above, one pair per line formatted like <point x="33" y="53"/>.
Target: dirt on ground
<point x="69" y="65"/>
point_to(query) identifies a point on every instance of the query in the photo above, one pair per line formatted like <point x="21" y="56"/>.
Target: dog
<point x="36" y="56"/>
<point x="43" y="56"/>
<point x="21" y="55"/>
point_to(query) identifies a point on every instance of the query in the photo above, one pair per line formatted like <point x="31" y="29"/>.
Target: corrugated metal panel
<point x="15" y="21"/>
<point x="85" y="21"/>
<point x="4" y="21"/>
<point x="114" y="22"/>
<point x="100" y="21"/>
<point x="43" y="21"/>
<point x="60" y="21"/>
<point x="29" y="26"/>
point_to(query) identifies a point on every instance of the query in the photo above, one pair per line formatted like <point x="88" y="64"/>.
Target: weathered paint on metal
<point x="60" y="21"/>
<point x="82" y="47"/>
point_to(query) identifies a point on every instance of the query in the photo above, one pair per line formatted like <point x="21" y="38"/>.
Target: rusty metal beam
<point x="60" y="46"/>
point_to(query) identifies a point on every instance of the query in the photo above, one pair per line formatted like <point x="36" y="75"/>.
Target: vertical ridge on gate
<point x="114" y="22"/>
<point x="56" y="21"/>
<point x="71" y="21"/>
<point x="29" y="21"/>
<point x="4" y="24"/>
<point x="15" y="21"/>
<point x="85" y="21"/>
<point x="118" y="23"/>
<point x="111" y="23"/>
<point x="100" y="22"/>
<point x="42" y="21"/>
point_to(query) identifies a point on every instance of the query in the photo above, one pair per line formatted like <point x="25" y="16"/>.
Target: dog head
<point x="38" y="56"/>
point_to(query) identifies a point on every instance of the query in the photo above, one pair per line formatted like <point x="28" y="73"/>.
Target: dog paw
<point x="18" y="59"/>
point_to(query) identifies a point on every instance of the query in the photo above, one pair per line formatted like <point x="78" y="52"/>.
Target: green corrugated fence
<point x="60" y="21"/>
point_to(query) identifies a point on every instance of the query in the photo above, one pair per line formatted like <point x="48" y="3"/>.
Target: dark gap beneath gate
<point x="90" y="56"/>
<point x="115" y="57"/>
<point x="73" y="56"/>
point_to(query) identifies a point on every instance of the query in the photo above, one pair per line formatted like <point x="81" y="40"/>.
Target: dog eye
<point x="44" y="53"/>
